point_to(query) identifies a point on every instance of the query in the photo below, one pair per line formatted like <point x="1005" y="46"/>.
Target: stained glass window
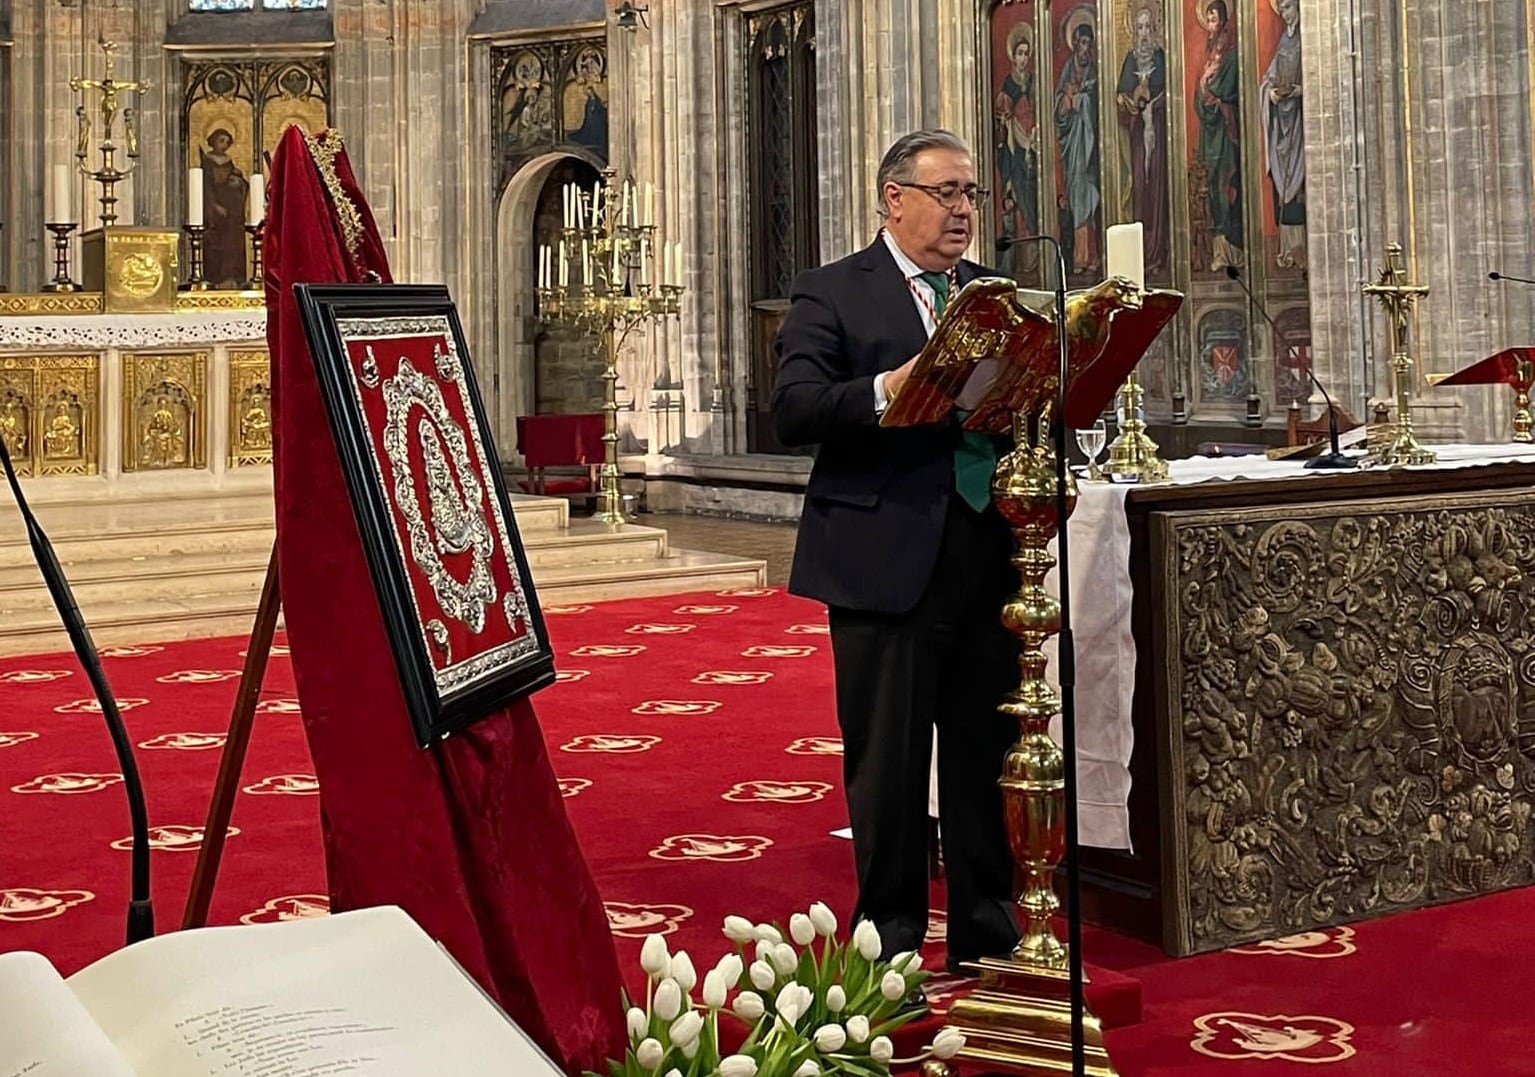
<point x="220" y="5"/>
<point x="295" y="5"/>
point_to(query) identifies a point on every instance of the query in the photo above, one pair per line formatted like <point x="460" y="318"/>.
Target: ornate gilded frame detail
<point x="1349" y="719"/>
<point x="164" y="411"/>
<point x="250" y="407"/>
<point x="50" y="408"/>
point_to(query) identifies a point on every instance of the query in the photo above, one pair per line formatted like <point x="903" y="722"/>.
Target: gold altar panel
<point x="49" y="413"/>
<point x="1351" y="710"/>
<point x="18" y="409"/>
<point x="67" y="423"/>
<point x="163" y="408"/>
<point x="250" y="408"/>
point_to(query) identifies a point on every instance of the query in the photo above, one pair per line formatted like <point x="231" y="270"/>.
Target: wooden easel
<point x="232" y="760"/>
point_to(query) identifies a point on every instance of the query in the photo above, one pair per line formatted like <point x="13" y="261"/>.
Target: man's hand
<point x="896" y="378"/>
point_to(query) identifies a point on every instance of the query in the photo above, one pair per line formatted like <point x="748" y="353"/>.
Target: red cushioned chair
<point x="563" y="442"/>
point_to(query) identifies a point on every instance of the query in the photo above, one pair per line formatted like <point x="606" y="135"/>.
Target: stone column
<point x="1419" y="132"/>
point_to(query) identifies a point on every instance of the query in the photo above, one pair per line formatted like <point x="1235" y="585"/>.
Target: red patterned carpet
<point x="695" y="741"/>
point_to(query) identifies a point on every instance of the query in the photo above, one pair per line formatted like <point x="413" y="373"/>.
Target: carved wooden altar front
<point x="1335" y="703"/>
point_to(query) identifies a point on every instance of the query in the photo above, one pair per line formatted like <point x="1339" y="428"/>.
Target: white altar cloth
<point x="1101" y="594"/>
<point x="94" y="332"/>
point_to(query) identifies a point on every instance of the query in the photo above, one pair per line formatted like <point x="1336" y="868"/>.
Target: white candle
<point x="1127" y="252"/>
<point x="628" y="202"/>
<point x="599" y="192"/>
<point x="564" y="267"/>
<point x="677" y="263"/>
<point x="565" y="206"/>
<point x="617" y="265"/>
<point x="650" y="203"/>
<point x="256" y="211"/>
<point x="586" y="261"/>
<point x="63" y="196"/>
<point x="195" y="197"/>
<point x="644" y="263"/>
<point x="579" y="203"/>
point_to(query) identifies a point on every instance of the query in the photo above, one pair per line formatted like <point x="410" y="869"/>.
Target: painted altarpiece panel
<point x="550" y="96"/>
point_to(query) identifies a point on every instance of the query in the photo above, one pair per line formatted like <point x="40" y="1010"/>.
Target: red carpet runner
<point x="695" y="738"/>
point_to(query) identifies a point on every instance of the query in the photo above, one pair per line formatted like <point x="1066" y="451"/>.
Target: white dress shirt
<point x="913" y="274"/>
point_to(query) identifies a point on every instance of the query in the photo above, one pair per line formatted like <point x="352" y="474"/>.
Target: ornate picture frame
<point x="425" y="483"/>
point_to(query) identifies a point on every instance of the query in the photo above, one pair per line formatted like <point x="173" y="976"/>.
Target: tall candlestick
<point x="63" y="209"/>
<point x="195" y="197"/>
<point x="1127" y="252"/>
<point x="256" y="211"/>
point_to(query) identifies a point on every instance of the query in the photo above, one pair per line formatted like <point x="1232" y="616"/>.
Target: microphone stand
<point x="1066" y="663"/>
<point x="1495" y="275"/>
<point x="1335" y="459"/>
<point x="141" y="917"/>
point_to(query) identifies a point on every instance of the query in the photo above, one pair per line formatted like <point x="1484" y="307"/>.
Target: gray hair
<point x="900" y="161"/>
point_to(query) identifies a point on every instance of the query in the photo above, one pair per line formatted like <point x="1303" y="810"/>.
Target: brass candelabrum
<point x="108" y="175"/>
<point x="195" y="281"/>
<point x="257" y="279"/>
<point x="609" y="274"/>
<point x="1019" y="1018"/>
<point x="61" y="281"/>
<point x="1398" y="298"/>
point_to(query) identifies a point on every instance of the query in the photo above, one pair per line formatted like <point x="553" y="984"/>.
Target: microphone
<point x="1494" y="275"/>
<point x="1004" y="242"/>
<point x="1334" y="459"/>
<point x="141" y="917"/>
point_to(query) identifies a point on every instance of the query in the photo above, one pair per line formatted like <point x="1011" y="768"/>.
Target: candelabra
<point x="61" y="281"/>
<point x="257" y="279"/>
<point x="195" y="281"/>
<point x="609" y="274"/>
<point x="108" y="175"/>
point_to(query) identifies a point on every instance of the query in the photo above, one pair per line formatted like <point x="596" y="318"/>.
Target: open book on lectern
<point x="994" y="352"/>
<point x="358" y="994"/>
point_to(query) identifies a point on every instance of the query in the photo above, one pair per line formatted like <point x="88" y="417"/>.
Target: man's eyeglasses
<point x="948" y="194"/>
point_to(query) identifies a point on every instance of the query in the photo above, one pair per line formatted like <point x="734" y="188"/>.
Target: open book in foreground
<point x="365" y="992"/>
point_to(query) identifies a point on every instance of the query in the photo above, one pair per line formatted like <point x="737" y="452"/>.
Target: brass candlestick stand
<point x="108" y="175"/>
<point x="257" y="279"/>
<point x="1132" y="452"/>
<point x="195" y="281"/>
<point x="1398" y="298"/>
<point x="61" y="281"/>
<point x="1019" y="1018"/>
<point x="609" y="275"/>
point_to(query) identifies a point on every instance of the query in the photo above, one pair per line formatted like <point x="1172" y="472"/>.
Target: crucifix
<point x="109" y="86"/>
<point x="1398" y="298"/>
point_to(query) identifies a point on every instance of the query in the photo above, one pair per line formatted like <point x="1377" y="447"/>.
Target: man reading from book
<point x="901" y="541"/>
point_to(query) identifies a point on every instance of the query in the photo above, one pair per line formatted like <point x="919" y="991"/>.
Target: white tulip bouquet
<point x="811" y="1005"/>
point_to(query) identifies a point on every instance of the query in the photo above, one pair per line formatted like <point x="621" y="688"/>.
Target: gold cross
<point x="1396" y="296"/>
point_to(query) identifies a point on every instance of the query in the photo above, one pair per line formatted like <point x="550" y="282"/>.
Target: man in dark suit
<point x="900" y="540"/>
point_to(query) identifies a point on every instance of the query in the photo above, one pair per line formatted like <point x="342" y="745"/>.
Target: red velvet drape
<point x="470" y="836"/>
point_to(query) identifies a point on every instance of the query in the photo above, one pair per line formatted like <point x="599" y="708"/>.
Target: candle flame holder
<point x="61" y="281"/>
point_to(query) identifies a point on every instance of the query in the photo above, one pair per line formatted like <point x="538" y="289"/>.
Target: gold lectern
<point x="996" y="357"/>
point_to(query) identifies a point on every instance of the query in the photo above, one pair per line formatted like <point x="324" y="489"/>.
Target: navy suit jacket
<point x="877" y="498"/>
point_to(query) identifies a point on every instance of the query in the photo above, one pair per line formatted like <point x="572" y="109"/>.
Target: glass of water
<point x="1091" y="440"/>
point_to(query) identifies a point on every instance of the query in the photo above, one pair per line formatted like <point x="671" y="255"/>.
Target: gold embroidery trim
<point x="324" y="154"/>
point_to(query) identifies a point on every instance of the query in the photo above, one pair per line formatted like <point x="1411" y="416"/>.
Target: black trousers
<point x="946" y="665"/>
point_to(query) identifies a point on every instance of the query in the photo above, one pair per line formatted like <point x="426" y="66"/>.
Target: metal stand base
<point x="1019" y="1021"/>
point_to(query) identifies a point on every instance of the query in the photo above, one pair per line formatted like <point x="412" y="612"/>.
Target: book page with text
<point x="44" y="1031"/>
<point x="359" y="993"/>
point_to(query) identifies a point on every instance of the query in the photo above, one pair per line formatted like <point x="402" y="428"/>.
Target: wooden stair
<point x="191" y="569"/>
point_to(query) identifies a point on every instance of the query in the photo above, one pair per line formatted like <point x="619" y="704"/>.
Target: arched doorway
<point x="547" y="368"/>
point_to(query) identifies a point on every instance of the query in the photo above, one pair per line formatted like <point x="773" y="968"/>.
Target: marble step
<point x="678" y="572"/>
<point x="126" y="579"/>
<point x="587" y="542"/>
<point x="148" y="620"/>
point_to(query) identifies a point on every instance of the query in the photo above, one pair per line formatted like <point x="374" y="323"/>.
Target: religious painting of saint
<point x="226" y="192"/>
<point x="1140" y="100"/>
<point x="527" y="107"/>
<point x="1079" y="200"/>
<point x="1282" y="106"/>
<point x="586" y="101"/>
<point x="1221" y="334"/>
<point x="1215" y="165"/>
<point x="1015" y="133"/>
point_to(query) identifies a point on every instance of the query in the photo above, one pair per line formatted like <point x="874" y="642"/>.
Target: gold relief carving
<point x="49" y="413"/>
<point x="69" y="412"/>
<point x="134" y="267"/>
<point x="212" y="300"/>
<point x="1352" y="710"/>
<point x="250" y="408"/>
<point x="164" y="422"/>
